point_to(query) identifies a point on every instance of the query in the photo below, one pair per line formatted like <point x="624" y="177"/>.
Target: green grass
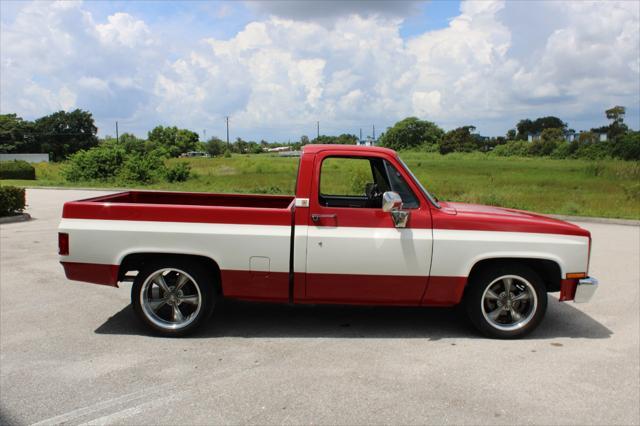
<point x="573" y="187"/>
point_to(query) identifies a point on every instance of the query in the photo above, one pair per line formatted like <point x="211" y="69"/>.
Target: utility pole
<point x="204" y="135"/>
<point x="227" y="117"/>
<point x="317" y="130"/>
<point x="374" y="132"/>
<point x="360" y="134"/>
<point x="117" y="135"/>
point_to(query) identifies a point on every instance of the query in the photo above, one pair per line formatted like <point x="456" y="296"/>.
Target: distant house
<point x="369" y="141"/>
<point x="279" y="149"/>
<point x="533" y="137"/>
<point x="602" y="136"/>
<point x="569" y="136"/>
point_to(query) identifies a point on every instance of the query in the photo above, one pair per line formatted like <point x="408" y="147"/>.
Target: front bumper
<point x="585" y="290"/>
<point x="580" y="291"/>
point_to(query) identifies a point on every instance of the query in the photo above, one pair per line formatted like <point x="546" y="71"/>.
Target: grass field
<point x="571" y="187"/>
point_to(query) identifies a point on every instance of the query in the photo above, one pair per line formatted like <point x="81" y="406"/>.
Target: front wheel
<point x="173" y="298"/>
<point x="506" y="301"/>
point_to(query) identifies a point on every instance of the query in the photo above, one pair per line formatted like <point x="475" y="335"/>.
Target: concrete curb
<point x="586" y="219"/>
<point x="23" y="217"/>
<point x="604" y="220"/>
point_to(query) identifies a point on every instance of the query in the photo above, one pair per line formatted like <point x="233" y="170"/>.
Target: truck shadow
<point x="265" y="320"/>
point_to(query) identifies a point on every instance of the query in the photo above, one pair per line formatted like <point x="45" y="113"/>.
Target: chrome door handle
<point x="316" y="217"/>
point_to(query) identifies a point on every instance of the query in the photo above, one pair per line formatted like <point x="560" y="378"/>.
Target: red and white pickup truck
<point x="388" y="242"/>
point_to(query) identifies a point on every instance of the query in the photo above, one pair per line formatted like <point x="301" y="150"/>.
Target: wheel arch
<point x="135" y="261"/>
<point x="549" y="270"/>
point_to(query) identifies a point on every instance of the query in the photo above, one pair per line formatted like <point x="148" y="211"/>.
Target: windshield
<point x="417" y="182"/>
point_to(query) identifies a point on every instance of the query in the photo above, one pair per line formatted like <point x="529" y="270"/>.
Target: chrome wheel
<point x="509" y="302"/>
<point x="170" y="298"/>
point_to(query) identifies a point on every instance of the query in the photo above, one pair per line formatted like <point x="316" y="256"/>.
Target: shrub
<point x="99" y="163"/>
<point x="17" y="169"/>
<point x="512" y="148"/>
<point x="12" y="200"/>
<point x="179" y="173"/>
<point x="227" y="154"/>
<point x="544" y="147"/>
<point x="145" y="168"/>
<point x="627" y="147"/>
<point x="564" y="150"/>
<point x="593" y="151"/>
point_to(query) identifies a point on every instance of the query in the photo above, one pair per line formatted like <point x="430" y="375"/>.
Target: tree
<point x="526" y="126"/>
<point x="173" y="140"/>
<point x="511" y="135"/>
<point x="64" y="133"/>
<point x="550" y="140"/>
<point x="411" y="133"/>
<point x="617" y="127"/>
<point x="616" y="114"/>
<point x="16" y="135"/>
<point x="304" y="140"/>
<point x="240" y="146"/>
<point x="552" y="135"/>
<point x="461" y="139"/>
<point x="215" y="146"/>
<point x="343" y="139"/>
<point x="131" y="143"/>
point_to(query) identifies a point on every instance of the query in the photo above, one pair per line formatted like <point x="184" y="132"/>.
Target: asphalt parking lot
<point x="74" y="353"/>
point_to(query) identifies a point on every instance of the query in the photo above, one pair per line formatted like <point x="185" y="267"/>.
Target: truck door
<point x="355" y="253"/>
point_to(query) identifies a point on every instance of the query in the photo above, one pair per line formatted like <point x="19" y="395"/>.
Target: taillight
<point x="63" y="244"/>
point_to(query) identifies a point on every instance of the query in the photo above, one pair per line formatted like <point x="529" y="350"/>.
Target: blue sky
<point x="278" y="67"/>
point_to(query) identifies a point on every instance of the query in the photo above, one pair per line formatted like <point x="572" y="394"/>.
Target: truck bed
<point x="184" y="207"/>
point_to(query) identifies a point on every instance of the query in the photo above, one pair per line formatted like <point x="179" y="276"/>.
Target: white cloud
<point x="277" y="76"/>
<point x="124" y="29"/>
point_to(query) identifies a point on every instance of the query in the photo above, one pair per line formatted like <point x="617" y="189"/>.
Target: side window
<point x="347" y="182"/>
<point x="345" y="177"/>
<point x="399" y="185"/>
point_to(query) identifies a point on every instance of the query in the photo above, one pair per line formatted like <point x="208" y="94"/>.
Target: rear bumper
<point x="580" y="291"/>
<point x="92" y="273"/>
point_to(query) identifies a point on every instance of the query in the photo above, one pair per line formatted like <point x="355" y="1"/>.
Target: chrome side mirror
<point x="392" y="203"/>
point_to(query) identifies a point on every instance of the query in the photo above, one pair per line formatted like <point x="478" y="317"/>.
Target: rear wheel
<point x="173" y="297"/>
<point x="507" y="301"/>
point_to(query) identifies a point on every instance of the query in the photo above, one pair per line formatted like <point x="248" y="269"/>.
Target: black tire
<point x="200" y="286"/>
<point x="480" y="307"/>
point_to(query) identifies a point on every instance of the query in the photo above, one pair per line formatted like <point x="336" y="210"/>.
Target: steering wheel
<point x="374" y="195"/>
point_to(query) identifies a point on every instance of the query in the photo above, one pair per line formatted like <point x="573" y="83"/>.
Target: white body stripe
<point x="231" y="246"/>
<point x="455" y="252"/>
<point x="369" y="251"/>
<point x="341" y="250"/>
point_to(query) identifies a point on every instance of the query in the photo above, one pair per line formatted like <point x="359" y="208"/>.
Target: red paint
<point x="63" y="244"/>
<point x="197" y="208"/>
<point x="360" y="217"/>
<point x="444" y="291"/>
<point x="475" y="217"/>
<point x="568" y="289"/>
<point x="368" y="289"/>
<point x="247" y="285"/>
<point x="92" y="273"/>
